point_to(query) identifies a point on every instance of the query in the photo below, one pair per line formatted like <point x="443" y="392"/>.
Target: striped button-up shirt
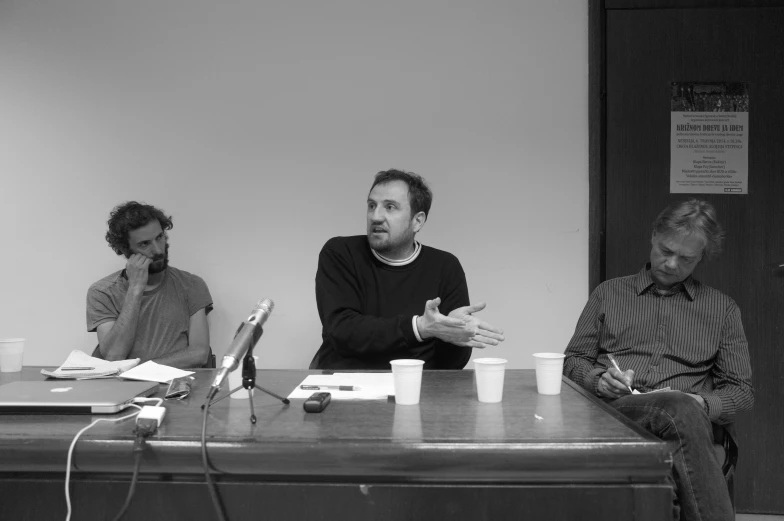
<point x="676" y="338"/>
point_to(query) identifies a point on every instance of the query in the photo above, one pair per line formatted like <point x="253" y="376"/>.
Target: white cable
<point x="73" y="444"/>
<point x="141" y="399"/>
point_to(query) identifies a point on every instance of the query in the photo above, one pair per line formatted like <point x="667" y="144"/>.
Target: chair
<point x="726" y="450"/>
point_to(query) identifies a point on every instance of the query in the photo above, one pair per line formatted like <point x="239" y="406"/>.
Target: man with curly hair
<point x="149" y="310"/>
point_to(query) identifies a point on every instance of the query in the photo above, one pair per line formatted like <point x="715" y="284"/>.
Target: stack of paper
<point x="82" y="366"/>
<point x="152" y="372"/>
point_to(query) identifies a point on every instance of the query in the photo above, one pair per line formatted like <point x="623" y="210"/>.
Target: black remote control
<point x="317" y="402"/>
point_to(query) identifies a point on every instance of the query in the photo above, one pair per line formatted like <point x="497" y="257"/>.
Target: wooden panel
<point x="646" y="51"/>
<point x="355" y="502"/>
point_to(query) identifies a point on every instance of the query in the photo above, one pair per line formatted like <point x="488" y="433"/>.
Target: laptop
<point x="102" y="396"/>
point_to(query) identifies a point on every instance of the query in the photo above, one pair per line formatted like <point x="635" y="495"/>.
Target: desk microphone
<point x="245" y="338"/>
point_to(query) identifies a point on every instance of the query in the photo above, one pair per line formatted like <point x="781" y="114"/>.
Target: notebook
<point x="80" y="365"/>
<point x="72" y="396"/>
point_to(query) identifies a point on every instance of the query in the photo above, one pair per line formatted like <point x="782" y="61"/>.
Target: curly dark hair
<point x="419" y="195"/>
<point x="131" y="216"/>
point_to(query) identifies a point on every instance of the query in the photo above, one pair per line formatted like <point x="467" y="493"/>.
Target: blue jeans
<point x="679" y="419"/>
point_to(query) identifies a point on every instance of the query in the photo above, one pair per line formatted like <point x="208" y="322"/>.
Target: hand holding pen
<point x="615" y="382"/>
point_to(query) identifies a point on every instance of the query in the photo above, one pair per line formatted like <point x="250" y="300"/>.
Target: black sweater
<point x="366" y="307"/>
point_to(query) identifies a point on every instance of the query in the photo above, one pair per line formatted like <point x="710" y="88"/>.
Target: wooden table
<point x="450" y="457"/>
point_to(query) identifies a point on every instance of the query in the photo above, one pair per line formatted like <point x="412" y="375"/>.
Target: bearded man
<point x="149" y="310"/>
<point x="384" y="296"/>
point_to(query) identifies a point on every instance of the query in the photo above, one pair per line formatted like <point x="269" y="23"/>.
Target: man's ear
<point x="419" y="221"/>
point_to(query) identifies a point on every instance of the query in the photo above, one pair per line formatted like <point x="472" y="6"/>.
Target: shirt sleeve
<point x="583" y="350"/>
<point x="732" y="389"/>
<point x="339" y="302"/>
<point x="100" y="308"/>
<point x="198" y="296"/>
<point x="455" y="295"/>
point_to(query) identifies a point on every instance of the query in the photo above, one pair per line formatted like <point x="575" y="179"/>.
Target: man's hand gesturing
<point x="460" y="328"/>
<point x="137" y="269"/>
<point x="485" y="335"/>
<point x="433" y="324"/>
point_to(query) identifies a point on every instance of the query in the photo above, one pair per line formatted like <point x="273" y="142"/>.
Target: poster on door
<point x="709" y="138"/>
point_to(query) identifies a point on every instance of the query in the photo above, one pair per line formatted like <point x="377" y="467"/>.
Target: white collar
<point x="390" y="262"/>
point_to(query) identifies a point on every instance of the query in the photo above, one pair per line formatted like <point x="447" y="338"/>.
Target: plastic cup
<point x="11" y="354"/>
<point x="407" y="375"/>
<point x="549" y="368"/>
<point x="235" y="380"/>
<point x="490" y="379"/>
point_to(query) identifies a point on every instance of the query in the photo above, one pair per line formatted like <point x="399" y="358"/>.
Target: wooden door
<point x="646" y="50"/>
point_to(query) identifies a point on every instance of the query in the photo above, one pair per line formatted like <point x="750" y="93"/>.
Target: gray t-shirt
<point x="164" y="315"/>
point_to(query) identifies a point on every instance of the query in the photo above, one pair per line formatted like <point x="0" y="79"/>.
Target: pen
<point x="612" y="359"/>
<point x="320" y="387"/>
<point x="77" y="368"/>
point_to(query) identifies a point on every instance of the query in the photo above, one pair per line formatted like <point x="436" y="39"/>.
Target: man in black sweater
<point x="371" y="290"/>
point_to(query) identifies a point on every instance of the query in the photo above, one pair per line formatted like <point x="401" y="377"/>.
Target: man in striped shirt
<point x="666" y="329"/>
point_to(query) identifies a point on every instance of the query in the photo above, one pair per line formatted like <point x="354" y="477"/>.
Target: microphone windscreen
<point x="265" y="304"/>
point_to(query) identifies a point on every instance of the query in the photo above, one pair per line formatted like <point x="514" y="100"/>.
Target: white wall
<point x="259" y="125"/>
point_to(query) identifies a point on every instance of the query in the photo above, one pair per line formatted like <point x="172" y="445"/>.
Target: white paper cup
<point x="235" y="380"/>
<point x="407" y="375"/>
<point x="490" y="379"/>
<point x="11" y="355"/>
<point x="549" y="368"/>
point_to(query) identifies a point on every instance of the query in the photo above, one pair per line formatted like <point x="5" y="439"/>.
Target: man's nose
<point x="672" y="262"/>
<point x="378" y="215"/>
<point x="156" y="249"/>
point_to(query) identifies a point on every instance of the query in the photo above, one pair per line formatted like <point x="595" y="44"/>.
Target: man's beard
<point x="385" y="247"/>
<point x="156" y="266"/>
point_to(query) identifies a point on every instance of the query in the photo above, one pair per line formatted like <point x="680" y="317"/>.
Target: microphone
<point x="245" y="338"/>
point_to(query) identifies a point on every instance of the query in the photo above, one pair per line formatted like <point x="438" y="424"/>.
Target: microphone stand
<point x="249" y="383"/>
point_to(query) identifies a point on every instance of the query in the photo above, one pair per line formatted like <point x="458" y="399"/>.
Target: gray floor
<point x="757" y="517"/>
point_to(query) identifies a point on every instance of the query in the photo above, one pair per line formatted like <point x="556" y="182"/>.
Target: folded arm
<point x="116" y="337"/>
<point x="198" y="349"/>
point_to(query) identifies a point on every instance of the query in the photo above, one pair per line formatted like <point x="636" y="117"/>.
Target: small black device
<point x="317" y="402"/>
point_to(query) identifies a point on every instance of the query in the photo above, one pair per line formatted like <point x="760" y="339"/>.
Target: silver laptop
<point x="103" y="396"/>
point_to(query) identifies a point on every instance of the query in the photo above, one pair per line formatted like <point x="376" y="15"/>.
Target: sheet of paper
<point x="368" y="386"/>
<point x="152" y="372"/>
<point x="651" y="391"/>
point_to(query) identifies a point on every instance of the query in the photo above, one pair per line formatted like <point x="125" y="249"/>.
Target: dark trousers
<point x="675" y="417"/>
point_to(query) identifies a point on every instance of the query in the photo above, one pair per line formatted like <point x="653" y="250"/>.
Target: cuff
<point x="712" y="406"/>
<point x="593" y="380"/>
<point x="414" y="326"/>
